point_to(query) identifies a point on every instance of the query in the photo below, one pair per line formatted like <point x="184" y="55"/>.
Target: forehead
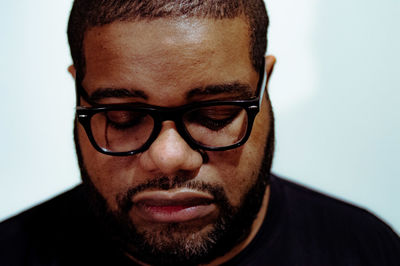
<point x="167" y="54"/>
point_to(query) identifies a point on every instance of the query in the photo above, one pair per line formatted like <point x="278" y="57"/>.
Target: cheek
<point x="238" y="169"/>
<point x="109" y="174"/>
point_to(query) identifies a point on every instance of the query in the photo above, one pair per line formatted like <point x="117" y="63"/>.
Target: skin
<point x="166" y="59"/>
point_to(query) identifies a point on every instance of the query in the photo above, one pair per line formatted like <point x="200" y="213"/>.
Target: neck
<point x="254" y="230"/>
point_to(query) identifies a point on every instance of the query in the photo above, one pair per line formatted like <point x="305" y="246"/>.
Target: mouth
<point x="174" y="206"/>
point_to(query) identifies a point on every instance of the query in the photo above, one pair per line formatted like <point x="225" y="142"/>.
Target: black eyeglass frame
<point x="175" y="114"/>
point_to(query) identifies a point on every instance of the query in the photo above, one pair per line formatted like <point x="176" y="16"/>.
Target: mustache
<point x="125" y="204"/>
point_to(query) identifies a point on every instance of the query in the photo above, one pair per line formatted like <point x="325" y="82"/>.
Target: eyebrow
<point x="103" y="93"/>
<point x="236" y="88"/>
<point x="239" y="90"/>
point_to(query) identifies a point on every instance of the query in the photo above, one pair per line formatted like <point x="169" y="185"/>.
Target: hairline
<point x="87" y="14"/>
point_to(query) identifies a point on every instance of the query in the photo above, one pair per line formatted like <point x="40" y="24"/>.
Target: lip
<point x="174" y="206"/>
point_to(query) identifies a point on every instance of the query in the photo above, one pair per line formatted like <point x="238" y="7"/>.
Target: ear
<point x="269" y="66"/>
<point x="72" y="71"/>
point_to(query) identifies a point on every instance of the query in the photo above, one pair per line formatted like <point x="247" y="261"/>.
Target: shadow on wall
<point x="347" y="135"/>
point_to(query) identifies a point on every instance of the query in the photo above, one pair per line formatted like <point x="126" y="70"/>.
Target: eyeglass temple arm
<point x="263" y="85"/>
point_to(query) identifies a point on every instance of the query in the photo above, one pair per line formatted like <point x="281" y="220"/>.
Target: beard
<point x="180" y="243"/>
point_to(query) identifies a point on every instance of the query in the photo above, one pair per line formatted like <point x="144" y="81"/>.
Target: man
<point x="174" y="137"/>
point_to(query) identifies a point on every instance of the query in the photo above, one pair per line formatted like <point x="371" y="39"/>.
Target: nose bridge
<point x="169" y="134"/>
<point x="173" y="118"/>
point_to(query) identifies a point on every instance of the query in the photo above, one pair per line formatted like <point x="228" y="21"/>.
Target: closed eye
<point x="124" y="119"/>
<point x="214" y="118"/>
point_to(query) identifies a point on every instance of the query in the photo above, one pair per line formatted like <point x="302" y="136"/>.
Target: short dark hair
<point x="86" y="14"/>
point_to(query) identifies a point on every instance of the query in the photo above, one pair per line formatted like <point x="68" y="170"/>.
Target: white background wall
<point x="335" y="92"/>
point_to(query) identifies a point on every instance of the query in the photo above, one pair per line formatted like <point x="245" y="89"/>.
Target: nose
<point x="170" y="154"/>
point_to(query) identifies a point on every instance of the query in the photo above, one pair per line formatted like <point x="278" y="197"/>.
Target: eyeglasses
<point x="128" y="129"/>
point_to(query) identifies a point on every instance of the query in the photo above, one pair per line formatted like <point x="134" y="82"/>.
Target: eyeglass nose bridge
<point x="174" y="116"/>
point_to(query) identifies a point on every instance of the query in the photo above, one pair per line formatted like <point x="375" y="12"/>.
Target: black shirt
<point x="302" y="227"/>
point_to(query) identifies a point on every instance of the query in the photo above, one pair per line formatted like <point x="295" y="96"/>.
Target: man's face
<point x="169" y="196"/>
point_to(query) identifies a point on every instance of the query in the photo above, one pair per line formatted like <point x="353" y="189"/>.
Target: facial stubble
<point x="180" y="244"/>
